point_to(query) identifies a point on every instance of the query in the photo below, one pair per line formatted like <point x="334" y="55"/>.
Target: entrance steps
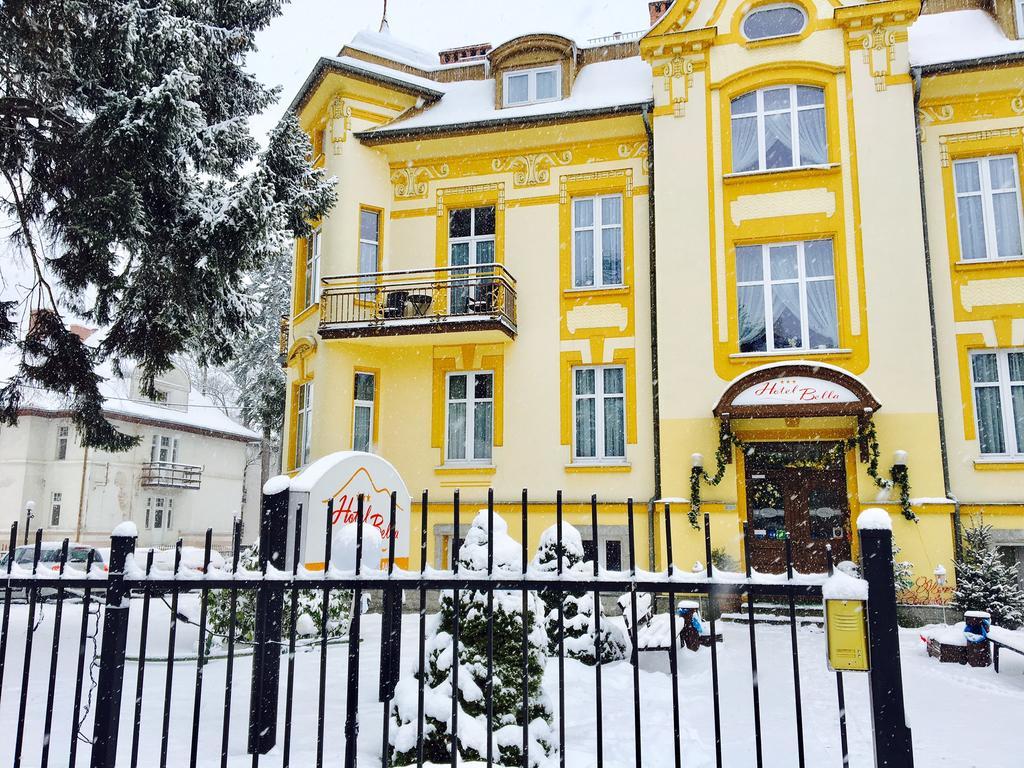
<point x="777" y="613"/>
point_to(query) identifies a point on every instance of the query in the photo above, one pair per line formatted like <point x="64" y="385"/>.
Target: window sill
<point x="465" y="469"/>
<point x="802" y="169"/>
<point x="1013" y="463"/>
<point x="795" y="353"/>
<point x="305" y="313"/>
<point x="599" y="466"/>
<point x="610" y="290"/>
<point x="985" y="264"/>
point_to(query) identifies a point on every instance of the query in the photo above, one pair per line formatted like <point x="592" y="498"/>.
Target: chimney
<point x="658" y="9"/>
<point x="465" y="53"/>
<point x="81" y="331"/>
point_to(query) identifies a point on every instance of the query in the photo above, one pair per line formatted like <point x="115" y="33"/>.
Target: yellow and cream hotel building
<point x="777" y="235"/>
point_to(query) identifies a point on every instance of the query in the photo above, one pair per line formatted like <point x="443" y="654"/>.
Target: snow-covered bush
<point x="577" y="605"/>
<point x="986" y="583"/>
<point x="507" y="674"/>
<point x="309" y="609"/>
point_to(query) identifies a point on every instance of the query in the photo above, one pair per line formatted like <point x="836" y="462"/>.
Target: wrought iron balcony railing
<point x="164" y="474"/>
<point x="480" y="297"/>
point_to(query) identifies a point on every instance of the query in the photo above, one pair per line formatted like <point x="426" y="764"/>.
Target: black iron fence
<point x="118" y="715"/>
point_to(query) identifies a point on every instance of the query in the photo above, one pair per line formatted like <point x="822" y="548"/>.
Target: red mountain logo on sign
<point x="376" y="503"/>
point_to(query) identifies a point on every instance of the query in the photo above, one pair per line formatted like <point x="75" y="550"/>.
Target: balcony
<point x="418" y="301"/>
<point x="164" y="474"/>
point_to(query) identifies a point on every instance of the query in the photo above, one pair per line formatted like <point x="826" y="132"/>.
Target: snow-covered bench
<point x="1004" y="638"/>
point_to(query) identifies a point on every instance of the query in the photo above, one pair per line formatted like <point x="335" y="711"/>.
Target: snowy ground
<point x="948" y="705"/>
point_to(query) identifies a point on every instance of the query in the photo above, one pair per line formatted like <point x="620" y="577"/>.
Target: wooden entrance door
<point x="797" y="490"/>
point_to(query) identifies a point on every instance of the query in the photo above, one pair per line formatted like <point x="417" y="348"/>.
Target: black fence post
<point x="893" y="746"/>
<point x="266" y="661"/>
<point x="112" y="653"/>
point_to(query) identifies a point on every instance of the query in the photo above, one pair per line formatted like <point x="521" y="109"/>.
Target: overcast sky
<point x="309" y="29"/>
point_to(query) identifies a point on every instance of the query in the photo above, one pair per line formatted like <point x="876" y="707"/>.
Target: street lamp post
<point x="940" y="579"/>
<point x="30" y="507"/>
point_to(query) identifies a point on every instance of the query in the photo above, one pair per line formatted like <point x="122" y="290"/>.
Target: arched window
<point x="773" y="21"/>
<point x="779" y="127"/>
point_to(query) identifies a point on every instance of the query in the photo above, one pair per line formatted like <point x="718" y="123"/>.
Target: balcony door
<point x="470" y="256"/>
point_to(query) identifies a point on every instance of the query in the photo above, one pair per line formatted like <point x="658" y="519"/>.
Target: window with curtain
<point x="530" y="86"/>
<point x="781" y="127"/>
<point x="997" y="378"/>
<point x="988" y="207"/>
<point x="303" y="422"/>
<point x="56" y="502"/>
<point x="599" y="408"/>
<point x="471" y="233"/>
<point x="786" y="296"/>
<point x="470" y="409"/>
<point x="773" y="21"/>
<point x="369" y="248"/>
<point x="362" y="415"/>
<point x="311" y="293"/>
<point x="597" y="241"/>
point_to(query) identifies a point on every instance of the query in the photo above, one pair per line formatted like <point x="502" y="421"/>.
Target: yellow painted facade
<point x="667" y="162"/>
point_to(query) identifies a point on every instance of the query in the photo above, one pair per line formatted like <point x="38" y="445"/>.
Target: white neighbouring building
<point x="194" y="468"/>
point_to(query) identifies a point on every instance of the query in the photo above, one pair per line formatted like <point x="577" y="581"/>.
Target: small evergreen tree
<point x="578" y="623"/>
<point x="310" y="613"/>
<point x="986" y="583"/>
<point x="507" y="675"/>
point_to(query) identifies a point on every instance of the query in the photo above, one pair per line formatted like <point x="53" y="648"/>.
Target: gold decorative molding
<point x="563" y="189"/>
<point x="339" y="114"/>
<point x="677" y="79"/>
<point x="956" y="138"/>
<point x="1017" y="105"/>
<point x="411" y="181"/>
<point x="635" y="149"/>
<point x="879" y="52"/>
<point x="476" y="189"/>
<point x="531" y="170"/>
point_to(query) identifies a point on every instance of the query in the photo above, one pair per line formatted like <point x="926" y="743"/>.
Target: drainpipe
<point x="655" y="385"/>
<point x="81" y="496"/>
<point x="915" y="73"/>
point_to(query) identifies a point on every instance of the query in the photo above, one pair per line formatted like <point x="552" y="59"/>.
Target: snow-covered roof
<point x="956" y="36"/>
<point x="201" y="413"/>
<point x="603" y="85"/>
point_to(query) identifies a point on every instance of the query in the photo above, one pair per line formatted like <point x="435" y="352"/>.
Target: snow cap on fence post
<point x="126" y="529"/>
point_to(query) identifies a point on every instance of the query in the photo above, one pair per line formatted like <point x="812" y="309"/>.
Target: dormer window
<point x="531" y="86"/>
<point x="774" y="21"/>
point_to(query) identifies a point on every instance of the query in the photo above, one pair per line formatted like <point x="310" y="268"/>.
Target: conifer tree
<point x="578" y="625"/>
<point x="138" y="197"/>
<point x="985" y="582"/>
<point x="507" y="677"/>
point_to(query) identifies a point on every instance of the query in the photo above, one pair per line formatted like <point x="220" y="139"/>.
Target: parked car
<point x="49" y="558"/>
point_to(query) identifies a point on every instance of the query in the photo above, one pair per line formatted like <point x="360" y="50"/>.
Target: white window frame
<point x="1004" y="385"/>
<point x="56" y="504"/>
<point x="303" y="423"/>
<point x="794" y="125"/>
<point x="363" y="276"/>
<point x="163" y="504"/>
<point x="311" y="291"/>
<point x="599" y="228"/>
<point x="471" y="400"/>
<point x="532" y="87"/>
<point x="163" y="449"/>
<point x="801" y="280"/>
<point x="599" y="397"/>
<point x="63" y="438"/>
<point x="766" y="8"/>
<point x="987" y="211"/>
<point x="368" y="405"/>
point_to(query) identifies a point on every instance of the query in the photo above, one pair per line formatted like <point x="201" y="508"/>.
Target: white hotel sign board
<point x="794" y="390"/>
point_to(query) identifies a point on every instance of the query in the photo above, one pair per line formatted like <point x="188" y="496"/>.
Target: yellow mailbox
<point x="846" y="629"/>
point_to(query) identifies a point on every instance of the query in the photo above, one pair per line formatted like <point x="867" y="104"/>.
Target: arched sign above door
<point x="795" y="389"/>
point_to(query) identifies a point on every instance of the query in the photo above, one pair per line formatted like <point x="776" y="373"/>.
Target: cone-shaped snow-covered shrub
<point x="579" y="627"/>
<point x="507" y="674"/>
<point x="986" y="583"/>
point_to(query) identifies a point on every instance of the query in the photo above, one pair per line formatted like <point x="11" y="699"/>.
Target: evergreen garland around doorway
<point x="866" y="434"/>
